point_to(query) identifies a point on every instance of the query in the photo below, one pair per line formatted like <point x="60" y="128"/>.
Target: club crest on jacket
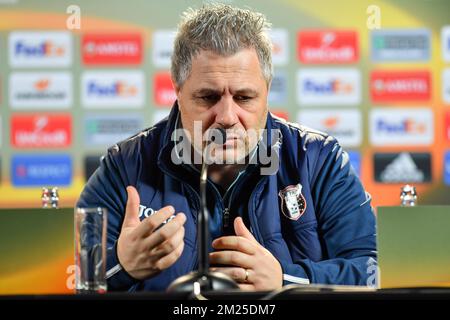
<point x="293" y="204"/>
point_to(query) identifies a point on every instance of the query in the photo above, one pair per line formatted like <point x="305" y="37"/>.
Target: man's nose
<point x="226" y="114"/>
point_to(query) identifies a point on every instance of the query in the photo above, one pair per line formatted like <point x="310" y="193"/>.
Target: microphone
<point x="217" y="136"/>
<point x="202" y="279"/>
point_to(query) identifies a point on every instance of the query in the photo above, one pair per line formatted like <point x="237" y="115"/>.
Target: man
<point x="306" y="221"/>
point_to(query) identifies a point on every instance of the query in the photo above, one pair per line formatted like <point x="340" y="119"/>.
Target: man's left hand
<point x="251" y="265"/>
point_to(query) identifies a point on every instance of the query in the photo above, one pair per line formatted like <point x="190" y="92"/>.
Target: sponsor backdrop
<point x="375" y="74"/>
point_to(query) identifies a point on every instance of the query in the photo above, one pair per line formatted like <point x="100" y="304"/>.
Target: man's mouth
<point x="231" y="141"/>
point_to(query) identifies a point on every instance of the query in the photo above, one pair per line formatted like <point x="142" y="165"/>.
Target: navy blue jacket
<point x="331" y="241"/>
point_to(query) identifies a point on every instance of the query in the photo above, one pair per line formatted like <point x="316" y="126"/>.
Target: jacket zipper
<point x="226" y="217"/>
<point x="226" y="210"/>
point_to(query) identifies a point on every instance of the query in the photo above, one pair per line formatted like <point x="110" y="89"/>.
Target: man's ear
<point x="268" y="91"/>
<point x="175" y="87"/>
<point x="177" y="90"/>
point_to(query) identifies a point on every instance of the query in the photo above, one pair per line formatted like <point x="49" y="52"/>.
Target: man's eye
<point x="210" y="98"/>
<point x="242" y="98"/>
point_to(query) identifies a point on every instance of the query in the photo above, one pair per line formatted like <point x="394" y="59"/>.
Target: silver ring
<point x="246" y="275"/>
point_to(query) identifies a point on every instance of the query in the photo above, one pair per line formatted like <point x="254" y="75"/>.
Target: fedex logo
<point x="328" y="46"/>
<point x="328" y="87"/>
<point x="163" y="91"/>
<point x="112" y="49"/>
<point x="41" y="131"/>
<point x="401" y="126"/>
<point x="407" y="125"/>
<point x="332" y="86"/>
<point x="40" y="49"/>
<point x="117" y="88"/>
<point x="35" y="170"/>
<point x="112" y="89"/>
<point x="396" y="86"/>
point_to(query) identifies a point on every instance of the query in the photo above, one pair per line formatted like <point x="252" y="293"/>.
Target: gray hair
<point x="224" y="30"/>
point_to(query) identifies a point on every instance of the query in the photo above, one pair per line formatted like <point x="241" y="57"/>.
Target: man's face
<point x="225" y="92"/>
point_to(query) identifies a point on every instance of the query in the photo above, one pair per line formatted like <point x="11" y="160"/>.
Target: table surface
<point x="295" y="293"/>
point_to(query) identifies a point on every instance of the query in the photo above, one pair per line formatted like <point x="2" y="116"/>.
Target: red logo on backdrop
<point x="327" y="46"/>
<point x="281" y="113"/>
<point x="41" y="131"/>
<point x="394" y="86"/>
<point x="163" y="90"/>
<point x="112" y="49"/>
<point x="447" y="126"/>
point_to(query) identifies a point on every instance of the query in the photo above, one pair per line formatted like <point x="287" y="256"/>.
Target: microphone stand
<point x="203" y="280"/>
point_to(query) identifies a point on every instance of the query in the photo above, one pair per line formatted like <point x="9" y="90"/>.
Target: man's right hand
<point x="142" y="251"/>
